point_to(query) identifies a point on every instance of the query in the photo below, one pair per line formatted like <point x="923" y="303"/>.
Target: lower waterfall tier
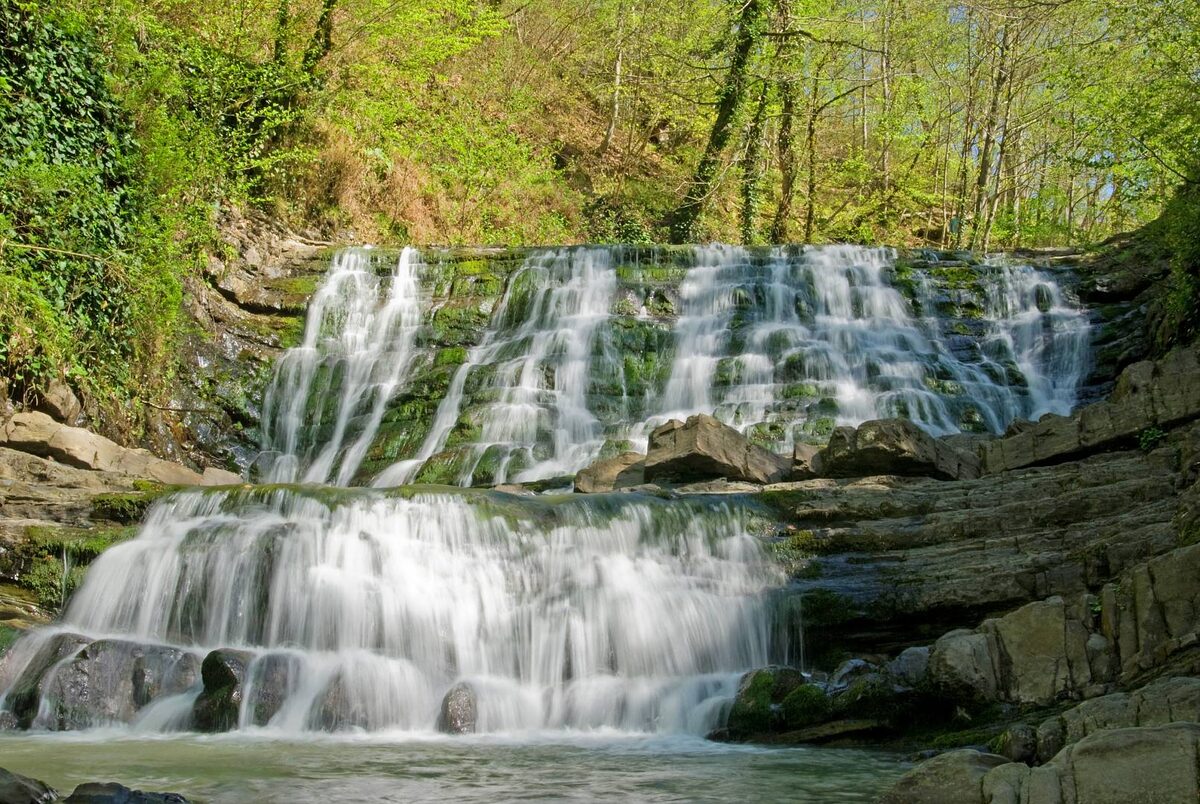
<point x="303" y="609"/>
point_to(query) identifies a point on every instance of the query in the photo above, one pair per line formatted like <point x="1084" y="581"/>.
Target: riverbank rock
<point x="955" y="777"/>
<point x="1149" y="396"/>
<point x="609" y="474"/>
<point x="223" y="673"/>
<point x="703" y="448"/>
<point x="18" y="789"/>
<point x="894" y="447"/>
<point x="38" y="434"/>
<point x="806" y="462"/>
<point x="459" y="711"/>
<point x="60" y="402"/>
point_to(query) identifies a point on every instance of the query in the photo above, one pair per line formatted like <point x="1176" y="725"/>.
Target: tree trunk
<point x="615" y="107"/>
<point x="683" y="220"/>
<point x="787" y="162"/>
<point x="752" y="172"/>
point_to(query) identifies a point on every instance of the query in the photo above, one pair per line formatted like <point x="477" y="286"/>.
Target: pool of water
<point x="265" y="767"/>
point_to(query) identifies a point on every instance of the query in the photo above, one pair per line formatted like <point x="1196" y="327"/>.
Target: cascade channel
<point x="337" y="598"/>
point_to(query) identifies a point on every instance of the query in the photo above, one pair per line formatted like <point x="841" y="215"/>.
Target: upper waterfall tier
<point x="452" y="367"/>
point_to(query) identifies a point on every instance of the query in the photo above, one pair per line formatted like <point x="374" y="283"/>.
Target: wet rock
<point x="25" y="693"/>
<point x="18" y="789"/>
<point x="113" y="793"/>
<point x="609" y="474"/>
<point x="703" y="448"/>
<point x="340" y="709"/>
<point x="460" y="711"/>
<point x="894" y="447"/>
<point x="223" y="673"/>
<point x="38" y="434"/>
<point x="272" y="680"/>
<point x="955" y="777"/>
<point x="757" y="707"/>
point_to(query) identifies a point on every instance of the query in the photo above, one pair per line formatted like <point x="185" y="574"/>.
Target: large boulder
<point x="759" y="704"/>
<point x="703" y="448"/>
<point x="38" y="434"/>
<point x="60" y="402"/>
<point x="961" y="666"/>
<point x="113" y="793"/>
<point x="460" y="710"/>
<point x="18" y="789"/>
<point x="224" y="674"/>
<point x="955" y="777"/>
<point x="609" y="474"/>
<point x="894" y="447"/>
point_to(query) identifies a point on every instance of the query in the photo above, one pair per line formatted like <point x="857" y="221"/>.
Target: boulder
<point x="23" y="695"/>
<point x="806" y="462"/>
<point x="220" y="477"/>
<point x="1141" y="764"/>
<point x="703" y="448"/>
<point x="18" y="789"/>
<point x="758" y="706"/>
<point x="894" y="447"/>
<point x="955" y="777"/>
<point x="961" y="667"/>
<point x="910" y="666"/>
<point x="272" y="679"/>
<point x="113" y="793"/>
<point x="223" y="673"/>
<point x="609" y="474"/>
<point x="38" y="434"/>
<point x="460" y="710"/>
<point x="59" y="402"/>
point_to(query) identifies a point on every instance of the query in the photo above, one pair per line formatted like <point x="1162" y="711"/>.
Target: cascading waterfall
<point x="539" y="352"/>
<point x="360" y="609"/>
<point x="783" y="344"/>
<point x="329" y="394"/>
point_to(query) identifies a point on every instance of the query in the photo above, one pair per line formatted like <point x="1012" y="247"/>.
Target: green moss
<point x="8" y="635"/>
<point x="450" y="356"/>
<point x="128" y="507"/>
<point x="804" y="706"/>
<point x="803" y="390"/>
<point x="751" y="712"/>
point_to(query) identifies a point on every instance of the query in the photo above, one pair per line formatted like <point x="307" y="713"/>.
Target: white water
<point x="540" y="350"/>
<point x="784" y="345"/>
<point x="638" y="616"/>
<point x="329" y="394"/>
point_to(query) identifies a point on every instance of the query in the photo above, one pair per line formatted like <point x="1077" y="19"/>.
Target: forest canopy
<point x="988" y="125"/>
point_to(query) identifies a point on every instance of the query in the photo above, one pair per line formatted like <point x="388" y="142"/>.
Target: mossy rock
<point x="757" y="707"/>
<point x="807" y="705"/>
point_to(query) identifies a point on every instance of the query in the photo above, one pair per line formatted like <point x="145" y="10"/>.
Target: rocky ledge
<point x="18" y="789"/>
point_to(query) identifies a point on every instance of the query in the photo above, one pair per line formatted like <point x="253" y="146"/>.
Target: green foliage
<point x="8" y="635"/>
<point x="52" y="587"/>
<point x="1149" y="438"/>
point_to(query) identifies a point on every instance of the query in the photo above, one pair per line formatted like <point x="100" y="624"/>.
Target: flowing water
<point x="597" y="639"/>
<point x="783" y="344"/>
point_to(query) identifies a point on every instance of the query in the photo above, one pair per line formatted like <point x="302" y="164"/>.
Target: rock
<point x="38" y="434"/>
<point x="757" y="707"/>
<point x="961" y="667"/>
<point x="220" y="477"/>
<point x="23" y="693"/>
<point x="1019" y="743"/>
<point x="460" y="711"/>
<point x="894" y="447"/>
<point x="609" y="474"/>
<point x="955" y="777"/>
<point x="113" y="793"/>
<point x="223" y="673"/>
<point x="910" y="666"/>
<point x="703" y="448"/>
<point x="272" y="679"/>
<point x="18" y="789"/>
<point x="806" y="462"/>
<point x="60" y="402"/>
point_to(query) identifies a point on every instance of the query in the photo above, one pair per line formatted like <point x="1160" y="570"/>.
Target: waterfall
<point x="538" y="352"/>
<point x="329" y="394"/>
<point x="360" y="609"/>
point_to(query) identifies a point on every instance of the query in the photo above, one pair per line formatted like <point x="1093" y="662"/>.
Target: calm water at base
<point x="271" y="768"/>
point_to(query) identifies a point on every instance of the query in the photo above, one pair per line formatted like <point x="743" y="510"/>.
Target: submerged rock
<point x="703" y="448"/>
<point x="758" y="706"/>
<point x="460" y="710"/>
<point x="609" y="474"/>
<point x="18" y="789"/>
<point x="113" y="793"/>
